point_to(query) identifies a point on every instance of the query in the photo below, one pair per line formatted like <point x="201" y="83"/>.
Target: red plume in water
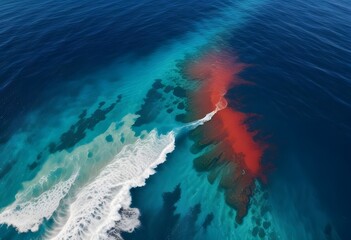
<point x="217" y="72"/>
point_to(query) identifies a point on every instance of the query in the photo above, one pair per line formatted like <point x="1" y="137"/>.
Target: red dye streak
<point x="217" y="73"/>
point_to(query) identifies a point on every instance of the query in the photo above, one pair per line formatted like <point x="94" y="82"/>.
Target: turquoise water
<point x="69" y="180"/>
<point x="100" y="155"/>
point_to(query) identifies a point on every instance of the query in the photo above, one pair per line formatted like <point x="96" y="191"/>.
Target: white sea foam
<point x="28" y="215"/>
<point x="101" y="209"/>
<point x="219" y="106"/>
<point x="84" y="199"/>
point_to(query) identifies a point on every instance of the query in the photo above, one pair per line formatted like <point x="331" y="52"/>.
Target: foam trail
<point x="28" y="215"/>
<point x="118" y="197"/>
<point x="101" y="209"/>
<point x="222" y="104"/>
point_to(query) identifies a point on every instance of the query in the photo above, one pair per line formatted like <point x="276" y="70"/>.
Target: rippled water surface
<point x="140" y="119"/>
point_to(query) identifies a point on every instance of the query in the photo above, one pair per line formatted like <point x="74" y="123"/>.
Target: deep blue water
<point x="301" y="62"/>
<point x="44" y="43"/>
<point x="302" y="68"/>
<point x="58" y="54"/>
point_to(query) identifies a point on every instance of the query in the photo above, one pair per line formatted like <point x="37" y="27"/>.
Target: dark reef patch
<point x="101" y="104"/>
<point x="158" y="84"/>
<point x="119" y="125"/>
<point x="162" y="223"/>
<point x="187" y="227"/>
<point x="181" y="118"/>
<point x="208" y="220"/>
<point x="229" y="146"/>
<point x="78" y="130"/>
<point x="266" y="224"/>
<point x="33" y="165"/>
<point x="168" y="89"/>
<point x="207" y="161"/>
<point x="150" y="108"/>
<point x="159" y="97"/>
<point x="122" y="138"/>
<point x="7" y="168"/>
<point x="181" y="106"/>
<point x="255" y="231"/>
<point x="109" y="138"/>
<point x="179" y="92"/>
<point x="257" y="221"/>
<point x="264" y="209"/>
<point x="261" y="233"/>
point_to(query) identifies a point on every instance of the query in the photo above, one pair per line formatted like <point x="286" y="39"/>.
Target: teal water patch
<point x="152" y="105"/>
<point x="199" y="211"/>
<point x="78" y="130"/>
<point x="44" y="190"/>
<point x="109" y="138"/>
<point x="51" y="187"/>
<point x="111" y="172"/>
<point x="288" y="198"/>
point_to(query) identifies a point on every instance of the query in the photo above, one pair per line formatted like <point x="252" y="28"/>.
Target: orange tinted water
<point x="218" y="72"/>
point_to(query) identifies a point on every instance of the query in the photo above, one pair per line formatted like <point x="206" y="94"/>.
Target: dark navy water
<point x="44" y="43"/>
<point x="299" y="57"/>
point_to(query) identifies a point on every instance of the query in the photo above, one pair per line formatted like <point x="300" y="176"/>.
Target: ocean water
<point x="102" y="126"/>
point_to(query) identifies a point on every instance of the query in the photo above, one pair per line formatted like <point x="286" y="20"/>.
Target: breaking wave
<point x="28" y="215"/>
<point x="101" y="209"/>
<point x="97" y="208"/>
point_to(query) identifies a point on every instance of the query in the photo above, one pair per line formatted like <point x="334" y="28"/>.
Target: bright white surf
<point x="28" y="215"/>
<point x="96" y="197"/>
<point x="101" y="209"/>
<point x="101" y="203"/>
